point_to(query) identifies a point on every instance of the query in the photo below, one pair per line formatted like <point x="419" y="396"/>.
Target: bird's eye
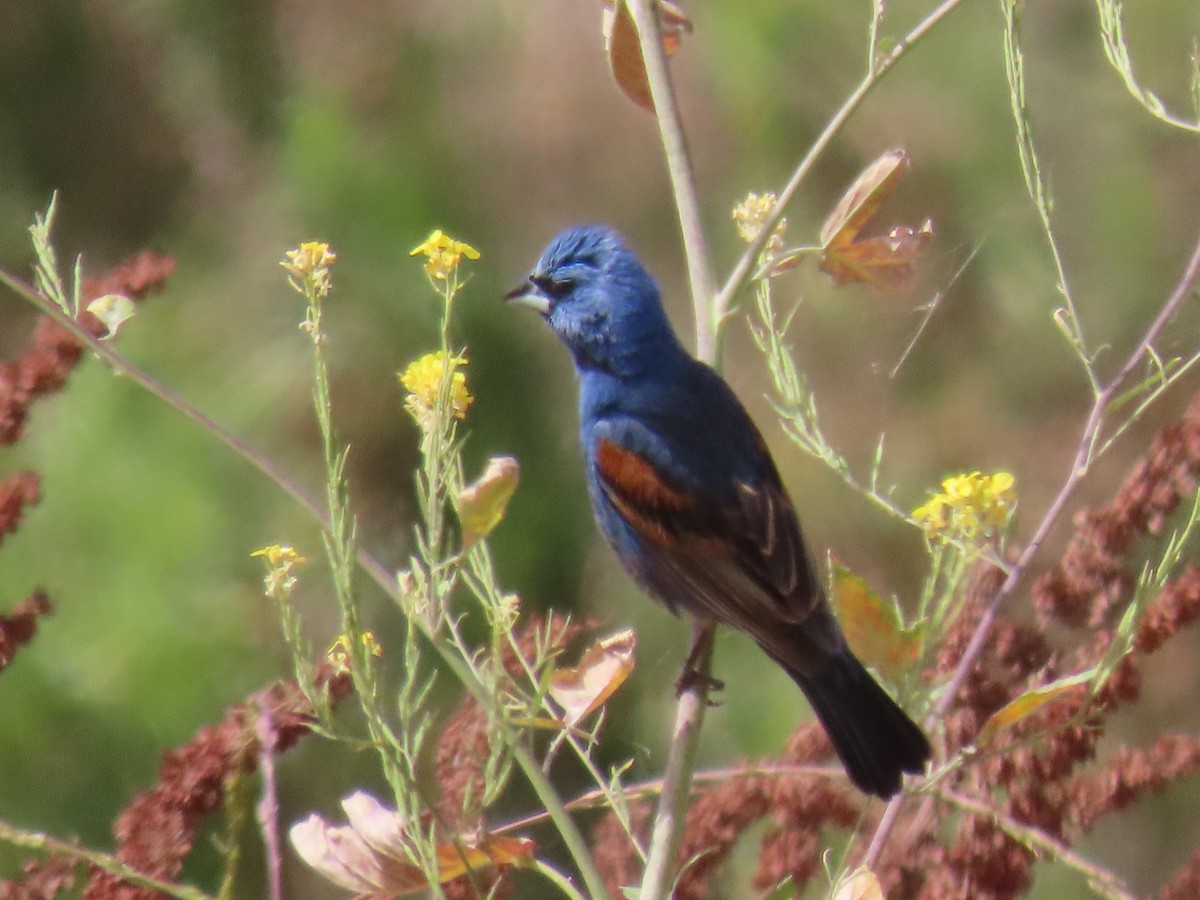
<point x="554" y="286"/>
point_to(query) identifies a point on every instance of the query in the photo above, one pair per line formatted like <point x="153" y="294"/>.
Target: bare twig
<point x="268" y="806"/>
<point x="667" y="831"/>
<point x="679" y="165"/>
<point x="1067" y="316"/>
<point x="34" y="840"/>
<point x="597" y="798"/>
<point x="1101" y="880"/>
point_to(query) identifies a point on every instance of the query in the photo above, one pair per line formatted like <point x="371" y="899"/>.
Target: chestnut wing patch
<point x="759" y="530"/>
<point x="660" y="512"/>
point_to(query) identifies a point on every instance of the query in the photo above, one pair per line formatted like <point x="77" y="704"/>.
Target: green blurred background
<point x="223" y="132"/>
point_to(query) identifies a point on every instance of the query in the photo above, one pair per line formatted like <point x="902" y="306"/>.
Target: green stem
<point x="34" y="840"/>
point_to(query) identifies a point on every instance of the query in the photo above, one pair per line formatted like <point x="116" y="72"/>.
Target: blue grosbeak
<point x="685" y="491"/>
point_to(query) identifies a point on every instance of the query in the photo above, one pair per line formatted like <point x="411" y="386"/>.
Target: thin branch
<point x="667" y="831"/>
<point x="34" y="840"/>
<point x="1116" y="48"/>
<point x="1100" y="879"/>
<point x="683" y="182"/>
<point x="597" y="798"/>
<point x="1067" y="316"/>
<point x="268" y="806"/>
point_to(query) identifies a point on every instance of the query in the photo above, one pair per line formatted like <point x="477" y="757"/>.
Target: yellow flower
<point x="338" y="653"/>
<point x="971" y="506"/>
<point x="931" y="515"/>
<point x="423" y="379"/>
<point x="308" y="265"/>
<point x="282" y="563"/>
<point x="443" y="254"/>
<point x="751" y="215"/>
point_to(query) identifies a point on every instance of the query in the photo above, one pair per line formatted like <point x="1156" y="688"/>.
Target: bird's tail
<point x="874" y="738"/>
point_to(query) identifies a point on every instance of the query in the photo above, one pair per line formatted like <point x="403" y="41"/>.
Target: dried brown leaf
<point x="625" y="52"/>
<point x="583" y="689"/>
<point x="886" y="262"/>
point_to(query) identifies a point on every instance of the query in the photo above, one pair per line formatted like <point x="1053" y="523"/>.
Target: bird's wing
<point x="738" y="552"/>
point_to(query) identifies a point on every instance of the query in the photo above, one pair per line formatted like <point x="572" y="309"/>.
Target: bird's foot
<point x="691" y="678"/>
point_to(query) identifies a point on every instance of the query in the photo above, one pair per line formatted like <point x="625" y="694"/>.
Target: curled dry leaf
<point x="861" y="884"/>
<point x="113" y="311"/>
<point x="481" y="504"/>
<point x="625" y="53"/>
<point x="886" y="262"/>
<point x="861" y="202"/>
<point x="872" y="625"/>
<point x="583" y="689"/>
<point x="1030" y="702"/>
<point x="369" y="856"/>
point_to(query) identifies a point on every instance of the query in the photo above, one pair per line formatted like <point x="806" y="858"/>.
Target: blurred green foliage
<point x="224" y="132"/>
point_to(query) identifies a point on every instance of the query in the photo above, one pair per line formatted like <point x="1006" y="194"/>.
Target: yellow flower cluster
<point x="751" y="215"/>
<point x="308" y="265"/>
<point x="423" y="378"/>
<point x="338" y="653"/>
<point x="969" y="506"/>
<point x="282" y="564"/>
<point x="443" y="254"/>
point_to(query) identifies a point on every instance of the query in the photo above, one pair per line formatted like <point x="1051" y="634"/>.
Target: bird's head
<point x="599" y="300"/>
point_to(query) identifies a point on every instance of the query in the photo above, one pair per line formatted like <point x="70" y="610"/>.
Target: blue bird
<point x="685" y="491"/>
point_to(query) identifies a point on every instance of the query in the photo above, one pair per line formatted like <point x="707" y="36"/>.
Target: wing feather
<point x="739" y="557"/>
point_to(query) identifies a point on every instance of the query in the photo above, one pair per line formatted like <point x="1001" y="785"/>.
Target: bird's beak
<point x="529" y="294"/>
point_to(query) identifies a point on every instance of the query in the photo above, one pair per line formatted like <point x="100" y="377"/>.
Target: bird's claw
<point x="690" y="678"/>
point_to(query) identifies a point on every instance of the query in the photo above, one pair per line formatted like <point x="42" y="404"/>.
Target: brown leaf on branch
<point x="625" y="52"/>
<point x="886" y="262"/>
<point x="582" y="689"/>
